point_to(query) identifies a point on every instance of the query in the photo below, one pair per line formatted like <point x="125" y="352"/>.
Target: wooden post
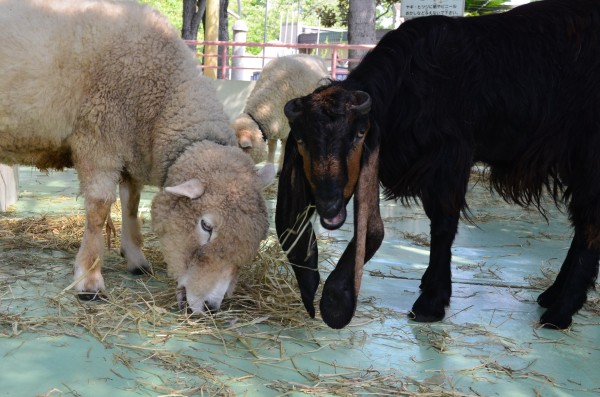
<point x="211" y="33"/>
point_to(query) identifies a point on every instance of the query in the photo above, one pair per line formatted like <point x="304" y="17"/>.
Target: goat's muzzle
<point x="332" y="213"/>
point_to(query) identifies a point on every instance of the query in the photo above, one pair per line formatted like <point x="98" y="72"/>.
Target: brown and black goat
<point x="518" y="91"/>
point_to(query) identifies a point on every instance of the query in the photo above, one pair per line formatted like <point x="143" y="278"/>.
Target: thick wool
<point x="108" y="87"/>
<point x="281" y="79"/>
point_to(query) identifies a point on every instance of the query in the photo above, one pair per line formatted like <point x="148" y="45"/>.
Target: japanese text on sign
<point x="421" y="8"/>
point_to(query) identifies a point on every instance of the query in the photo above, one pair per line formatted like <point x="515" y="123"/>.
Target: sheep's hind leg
<point x="131" y="236"/>
<point x="89" y="259"/>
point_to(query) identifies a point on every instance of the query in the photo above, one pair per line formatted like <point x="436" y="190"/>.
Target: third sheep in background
<point x="263" y="119"/>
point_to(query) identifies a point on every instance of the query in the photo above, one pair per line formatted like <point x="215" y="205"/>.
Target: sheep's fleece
<point x="110" y="89"/>
<point x="281" y="80"/>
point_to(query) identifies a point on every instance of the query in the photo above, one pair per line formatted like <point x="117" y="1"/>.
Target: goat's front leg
<point x="89" y="259"/>
<point x="131" y="236"/>
<point x="436" y="284"/>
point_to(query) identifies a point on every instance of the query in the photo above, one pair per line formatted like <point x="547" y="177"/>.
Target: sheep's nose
<point x="245" y="143"/>
<point x="211" y="308"/>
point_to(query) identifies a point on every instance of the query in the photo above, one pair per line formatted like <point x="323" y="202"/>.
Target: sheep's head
<point x="210" y="219"/>
<point x="250" y="137"/>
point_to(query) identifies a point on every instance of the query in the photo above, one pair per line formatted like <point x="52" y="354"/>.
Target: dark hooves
<point x="547" y="298"/>
<point x="142" y="271"/>
<point x="338" y="302"/>
<point x="552" y="321"/>
<point x="429" y="307"/>
<point x="425" y="318"/>
<point x="91" y="296"/>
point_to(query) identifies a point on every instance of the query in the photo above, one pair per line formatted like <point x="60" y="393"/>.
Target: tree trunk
<point x="193" y="12"/>
<point x="361" y="26"/>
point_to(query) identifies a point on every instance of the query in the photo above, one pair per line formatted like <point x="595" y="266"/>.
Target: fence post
<point x="237" y="59"/>
<point x="334" y="61"/>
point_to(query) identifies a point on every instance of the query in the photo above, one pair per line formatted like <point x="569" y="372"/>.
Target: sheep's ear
<point x="191" y="189"/>
<point x="266" y="174"/>
<point x="293" y="213"/>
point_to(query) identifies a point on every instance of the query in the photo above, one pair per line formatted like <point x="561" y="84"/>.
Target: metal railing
<point x="232" y="56"/>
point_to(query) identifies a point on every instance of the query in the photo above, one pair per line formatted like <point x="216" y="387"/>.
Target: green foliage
<point x="324" y="13"/>
<point x="172" y="9"/>
<point x="479" y="7"/>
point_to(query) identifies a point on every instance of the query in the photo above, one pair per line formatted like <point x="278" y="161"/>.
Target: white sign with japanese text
<point x="420" y="8"/>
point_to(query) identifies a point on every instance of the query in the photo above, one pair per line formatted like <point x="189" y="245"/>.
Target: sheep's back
<point x="283" y="79"/>
<point x="66" y="65"/>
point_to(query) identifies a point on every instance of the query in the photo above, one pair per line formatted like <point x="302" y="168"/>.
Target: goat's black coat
<point x="518" y="91"/>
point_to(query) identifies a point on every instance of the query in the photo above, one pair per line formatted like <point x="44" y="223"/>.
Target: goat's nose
<point x="330" y="206"/>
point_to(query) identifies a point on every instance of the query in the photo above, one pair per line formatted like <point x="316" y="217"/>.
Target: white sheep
<point x="110" y="89"/>
<point x="263" y="121"/>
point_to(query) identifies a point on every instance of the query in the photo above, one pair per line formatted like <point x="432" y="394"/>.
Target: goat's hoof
<point x="553" y="320"/>
<point x="425" y="318"/>
<point x="428" y="308"/>
<point x="547" y="298"/>
<point x="91" y="296"/>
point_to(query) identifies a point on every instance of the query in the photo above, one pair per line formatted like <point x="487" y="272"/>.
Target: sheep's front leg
<point x="272" y="144"/>
<point x="88" y="262"/>
<point x="281" y="155"/>
<point x="131" y="236"/>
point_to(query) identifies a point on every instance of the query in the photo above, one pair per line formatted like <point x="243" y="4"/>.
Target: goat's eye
<point x="360" y="134"/>
<point x="207" y="227"/>
<point x="299" y="141"/>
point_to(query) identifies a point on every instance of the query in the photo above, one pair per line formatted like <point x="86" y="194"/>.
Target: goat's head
<point x="329" y="128"/>
<point x="331" y="155"/>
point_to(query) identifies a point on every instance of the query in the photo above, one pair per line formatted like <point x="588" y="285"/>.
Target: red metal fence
<point x="233" y="56"/>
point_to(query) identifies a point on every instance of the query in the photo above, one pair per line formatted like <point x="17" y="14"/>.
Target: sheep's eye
<point x="207" y="227"/>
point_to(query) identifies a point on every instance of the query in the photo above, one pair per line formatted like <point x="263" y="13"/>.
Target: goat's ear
<point x="191" y="189"/>
<point x="362" y="102"/>
<point x="340" y="292"/>
<point x="292" y="109"/>
<point x="293" y="214"/>
<point x="266" y="174"/>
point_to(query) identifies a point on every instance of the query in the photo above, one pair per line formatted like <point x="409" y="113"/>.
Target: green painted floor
<point x="489" y="344"/>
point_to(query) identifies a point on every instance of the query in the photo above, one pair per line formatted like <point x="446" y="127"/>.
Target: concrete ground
<point x="490" y="343"/>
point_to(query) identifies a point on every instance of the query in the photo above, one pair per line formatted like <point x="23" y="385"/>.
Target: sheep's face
<point x="250" y="138"/>
<point x="209" y="228"/>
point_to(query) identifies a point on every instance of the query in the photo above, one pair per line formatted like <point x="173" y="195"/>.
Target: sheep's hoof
<point x="142" y="271"/>
<point x="91" y="296"/>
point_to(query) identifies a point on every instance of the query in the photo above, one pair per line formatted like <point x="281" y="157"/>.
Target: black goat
<point x="518" y="91"/>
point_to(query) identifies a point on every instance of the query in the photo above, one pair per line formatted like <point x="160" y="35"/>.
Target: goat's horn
<point x="292" y="109"/>
<point x="364" y="105"/>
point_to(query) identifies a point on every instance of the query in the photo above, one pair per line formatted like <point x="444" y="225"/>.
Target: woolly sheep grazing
<point x="109" y="89"/>
<point x="263" y="120"/>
